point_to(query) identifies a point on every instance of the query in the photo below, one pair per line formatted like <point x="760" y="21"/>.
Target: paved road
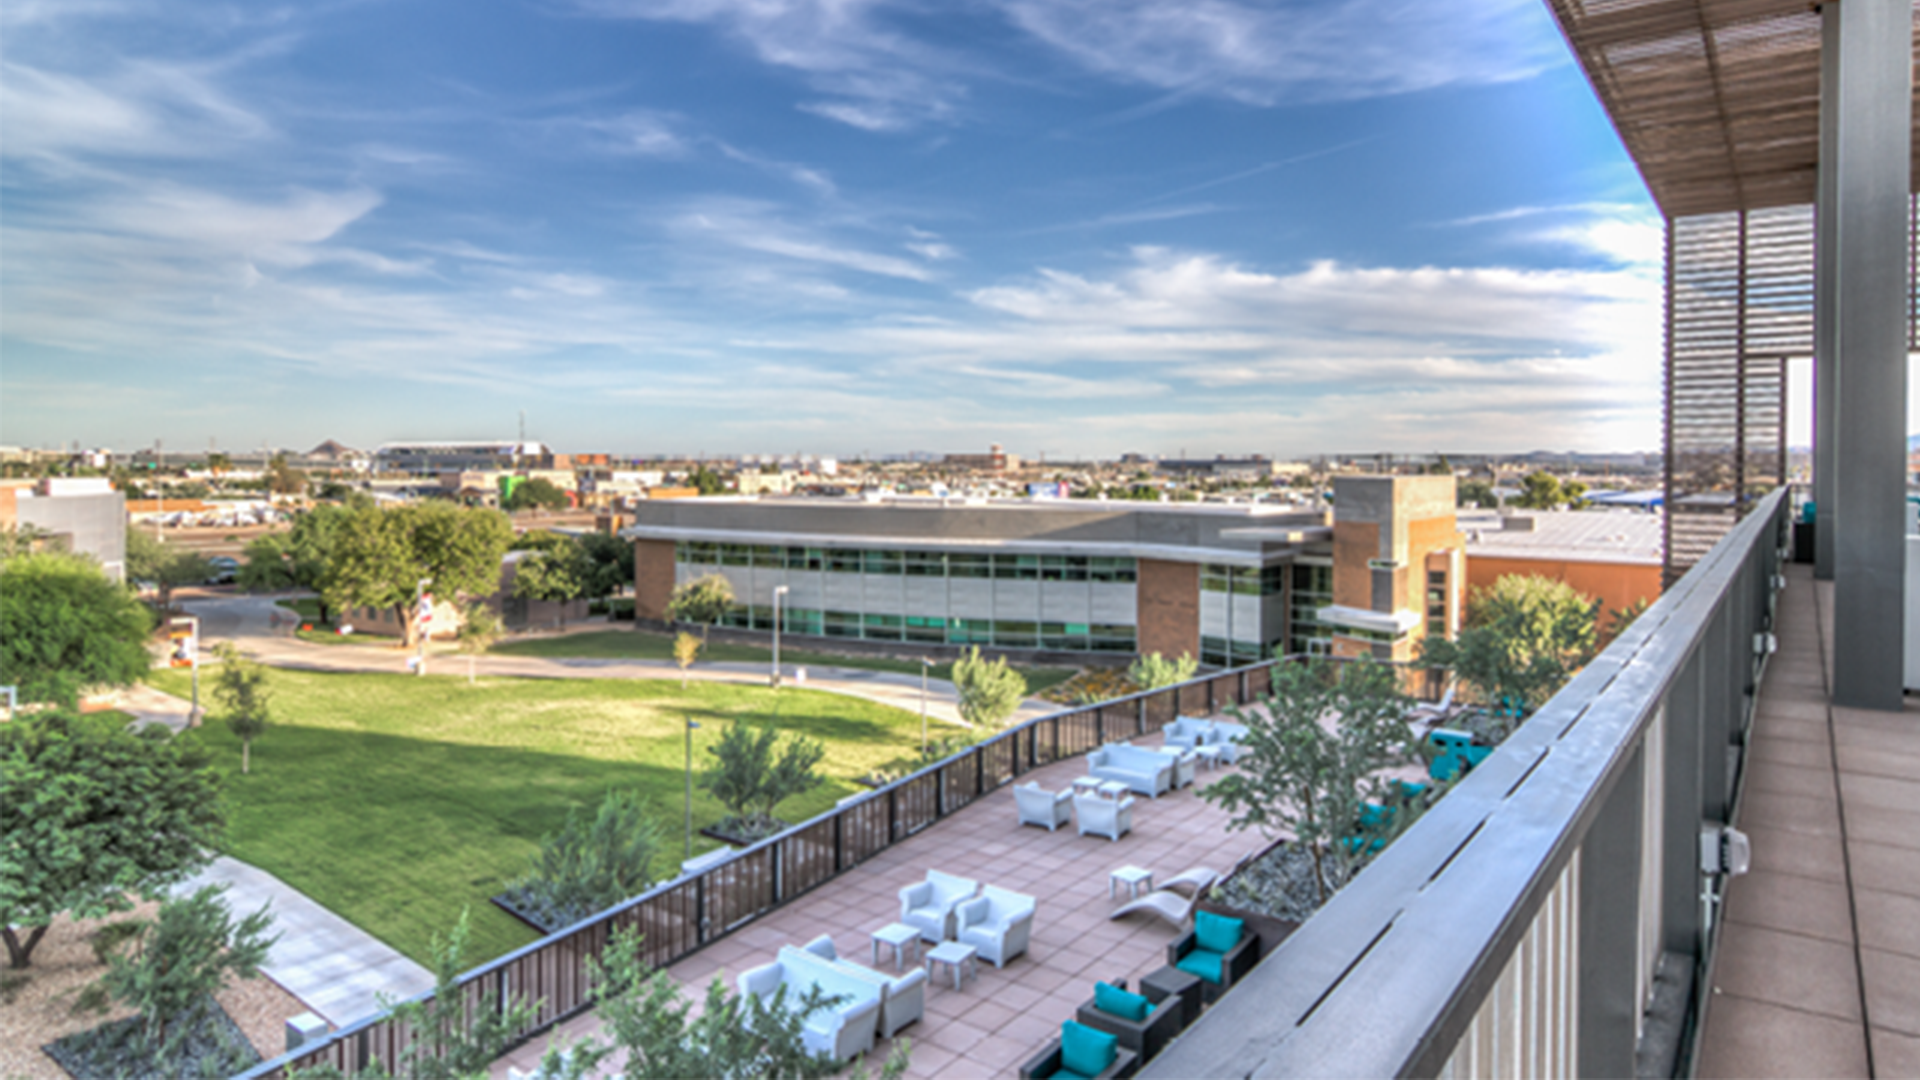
<point x="258" y="626"/>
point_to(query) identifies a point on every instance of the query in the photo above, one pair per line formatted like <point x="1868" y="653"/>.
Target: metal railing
<point x="1551" y="915"/>
<point x="679" y="917"/>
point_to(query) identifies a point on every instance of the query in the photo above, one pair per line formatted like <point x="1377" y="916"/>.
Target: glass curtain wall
<point x="1237" y="626"/>
<point x="1011" y="633"/>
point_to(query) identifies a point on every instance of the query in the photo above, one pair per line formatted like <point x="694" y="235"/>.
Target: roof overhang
<point x="1380" y="622"/>
<point x="1718" y="101"/>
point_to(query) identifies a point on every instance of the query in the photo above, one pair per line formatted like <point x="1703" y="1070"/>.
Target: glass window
<point x="1016" y="567"/>
<point x="700" y="551"/>
<point x="969" y="566"/>
<point x="1014" y="634"/>
<point x="842" y="623"/>
<point x="919" y="628"/>
<point x="736" y="555"/>
<point x="881" y="562"/>
<point x="970" y="631"/>
<point x="845" y="560"/>
<point x="768" y="557"/>
<point x="799" y="558"/>
<point x="1111" y="570"/>
<point x="801" y="620"/>
<point x="1214" y="577"/>
<point x="924" y="563"/>
<point x="881" y="627"/>
<point x="1063" y="568"/>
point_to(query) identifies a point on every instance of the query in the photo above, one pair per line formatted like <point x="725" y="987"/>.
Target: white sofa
<point x="841" y="1030"/>
<point x="1038" y="806"/>
<point x="902" y="1000"/>
<point x="928" y="905"/>
<point x="997" y="923"/>
<point x="1102" y="816"/>
<point x="1147" y="772"/>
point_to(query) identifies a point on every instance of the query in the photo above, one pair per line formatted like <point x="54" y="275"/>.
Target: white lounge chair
<point x="1190" y="883"/>
<point x="1041" y="807"/>
<point x="1162" y="903"/>
<point x="997" y="923"/>
<point x="928" y="905"/>
<point x="1103" y="816"/>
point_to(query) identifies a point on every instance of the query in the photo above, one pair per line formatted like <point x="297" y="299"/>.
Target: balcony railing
<point x="1551" y="915"/>
<point x="678" y="917"/>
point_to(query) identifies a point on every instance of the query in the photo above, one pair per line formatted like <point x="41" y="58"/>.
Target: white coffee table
<point x="1132" y="877"/>
<point x="902" y="937"/>
<point x="1087" y="785"/>
<point x="1210" y="754"/>
<point x="1114" y="789"/>
<point x="956" y="956"/>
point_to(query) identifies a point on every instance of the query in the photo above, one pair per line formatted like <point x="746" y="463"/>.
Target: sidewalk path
<point x="335" y="968"/>
<point x="249" y="621"/>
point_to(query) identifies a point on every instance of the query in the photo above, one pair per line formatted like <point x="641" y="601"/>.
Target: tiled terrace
<point x="998" y="1020"/>
<point x="1819" y="967"/>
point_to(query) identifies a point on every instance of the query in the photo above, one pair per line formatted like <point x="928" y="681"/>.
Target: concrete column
<point x="1870" y="42"/>
<point x="1826" y="216"/>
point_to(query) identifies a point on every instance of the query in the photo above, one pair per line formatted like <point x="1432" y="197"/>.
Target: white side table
<point x="1210" y="754"/>
<point x="1132" y="877"/>
<point x="1114" y="789"/>
<point x="956" y="956"/>
<point x="1087" y="785"/>
<point x="902" y="937"/>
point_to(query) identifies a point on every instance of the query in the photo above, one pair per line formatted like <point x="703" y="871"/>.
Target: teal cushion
<point x="1068" y="1074"/>
<point x="1216" y="933"/>
<point x="1117" y="1002"/>
<point x="1086" y="1051"/>
<point x="1202" y="964"/>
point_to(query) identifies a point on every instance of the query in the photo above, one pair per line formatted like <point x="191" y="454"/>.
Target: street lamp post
<point x="691" y="725"/>
<point x="778" y="592"/>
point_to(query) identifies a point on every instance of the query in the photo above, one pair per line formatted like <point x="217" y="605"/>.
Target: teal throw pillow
<point x="1202" y="965"/>
<point x="1086" y="1051"/>
<point x="1117" y="1002"/>
<point x="1216" y="933"/>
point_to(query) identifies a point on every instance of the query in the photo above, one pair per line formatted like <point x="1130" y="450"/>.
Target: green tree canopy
<point x="173" y="964"/>
<point x="283" y="478"/>
<point x="610" y="562"/>
<point x="1476" y="493"/>
<point x="65" y="626"/>
<point x="91" y="811"/>
<point x="1524" y="637"/>
<point x="559" y="575"/>
<point x="240" y="696"/>
<point x="590" y="865"/>
<point x="167" y="566"/>
<point x="538" y="493"/>
<point x="1544" y="491"/>
<point x="379" y="555"/>
<point x="752" y="772"/>
<point x="1314" y="753"/>
<point x="989" y="690"/>
<point x="703" y="601"/>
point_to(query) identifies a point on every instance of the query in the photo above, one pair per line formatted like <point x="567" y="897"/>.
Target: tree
<point x="240" y="694"/>
<point x="379" y="556"/>
<point x="686" y="649"/>
<point x="167" y="567"/>
<point x="610" y="564"/>
<point x="751" y="773"/>
<point x="1524" y="637"/>
<point x="92" y="811"/>
<point x="1313" y="757"/>
<point x="1619" y="619"/>
<point x="989" y="690"/>
<point x="26" y="539"/>
<point x="480" y="627"/>
<point x="703" y="601"/>
<point x="590" y="866"/>
<point x="1543" y="491"/>
<point x="169" y="968"/>
<point x="556" y="575"/>
<point x="284" y="479"/>
<point x="65" y="626"/>
<point x="456" y="1036"/>
<point x="538" y="493"/>
<point x="706" y="481"/>
<point x="268" y="564"/>
<point x="1476" y="493"/>
<point x="1153" y="671"/>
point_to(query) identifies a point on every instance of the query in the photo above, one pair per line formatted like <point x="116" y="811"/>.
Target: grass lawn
<point x="323" y="632"/>
<point x="647" y="645"/>
<point x="396" y="801"/>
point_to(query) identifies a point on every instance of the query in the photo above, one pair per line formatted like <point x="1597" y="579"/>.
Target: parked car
<point x="223" y="569"/>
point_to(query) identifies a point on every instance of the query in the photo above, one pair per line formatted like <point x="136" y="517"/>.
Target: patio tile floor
<point x="1003" y="1016"/>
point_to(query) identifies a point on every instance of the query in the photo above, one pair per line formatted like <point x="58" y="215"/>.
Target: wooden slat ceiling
<point x="1718" y="101"/>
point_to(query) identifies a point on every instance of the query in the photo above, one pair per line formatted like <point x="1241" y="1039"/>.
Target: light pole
<point x="778" y="592"/>
<point x="423" y="614"/>
<point x="691" y="725"/>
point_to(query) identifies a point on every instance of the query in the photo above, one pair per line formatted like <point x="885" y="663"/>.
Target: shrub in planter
<point x="589" y="866"/>
<point x="752" y="772"/>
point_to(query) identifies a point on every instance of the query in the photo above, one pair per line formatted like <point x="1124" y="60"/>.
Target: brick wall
<point x="652" y="578"/>
<point x="1354" y="543"/>
<point x="1168" y="608"/>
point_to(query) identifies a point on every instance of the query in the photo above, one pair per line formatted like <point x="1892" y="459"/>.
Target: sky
<point x="1072" y="227"/>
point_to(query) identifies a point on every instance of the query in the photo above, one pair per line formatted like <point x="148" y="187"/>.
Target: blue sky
<point x="832" y="226"/>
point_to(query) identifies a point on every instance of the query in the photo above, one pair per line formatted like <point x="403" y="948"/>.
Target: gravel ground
<point x="63" y="965"/>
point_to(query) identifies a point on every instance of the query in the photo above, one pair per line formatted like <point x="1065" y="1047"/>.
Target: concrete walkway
<point x="255" y="623"/>
<point x="335" y="968"/>
<point x="1819" y="966"/>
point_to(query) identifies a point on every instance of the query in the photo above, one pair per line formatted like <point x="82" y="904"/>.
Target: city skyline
<point x="840" y="228"/>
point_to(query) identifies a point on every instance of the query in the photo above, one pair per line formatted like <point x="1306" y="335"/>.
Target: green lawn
<point x="396" y="801"/>
<point x="647" y="645"/>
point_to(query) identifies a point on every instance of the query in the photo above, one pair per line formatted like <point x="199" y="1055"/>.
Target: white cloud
<point x="757" y="227"/>
<point x="1293" y="51"/>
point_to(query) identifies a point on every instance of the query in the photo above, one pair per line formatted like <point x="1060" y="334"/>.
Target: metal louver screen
<point x="1739" y="306"/>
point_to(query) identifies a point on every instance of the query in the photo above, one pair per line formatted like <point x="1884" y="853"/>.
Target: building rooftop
<point x="1618" y="536"/>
